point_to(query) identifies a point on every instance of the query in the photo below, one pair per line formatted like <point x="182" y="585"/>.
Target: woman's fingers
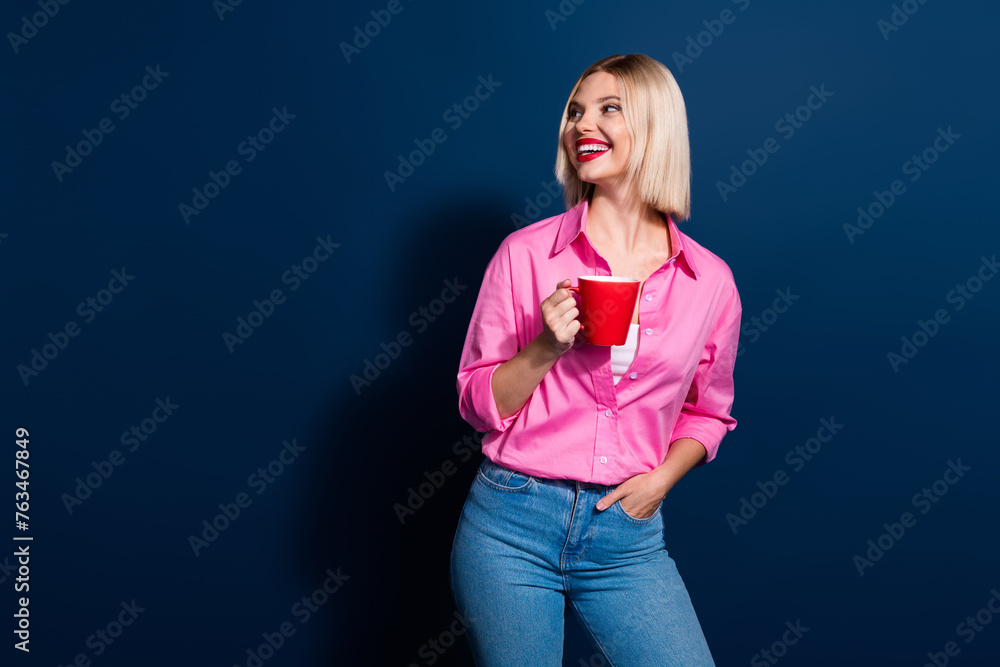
<point x="560" y="306"/>
<point x="563" y="320"/>
<point x="559" y="313"/>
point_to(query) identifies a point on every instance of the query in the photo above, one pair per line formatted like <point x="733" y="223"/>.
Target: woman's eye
<point x="576" y="113"/>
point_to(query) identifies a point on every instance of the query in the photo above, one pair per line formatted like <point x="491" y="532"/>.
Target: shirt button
<point x="649" y="332"/>
<point x="604" y="459"/>
<point x="607" y="413"/>
<point x="671" y="260"/>
<point x="633" y="375"/>
<point x="649" y="297"/>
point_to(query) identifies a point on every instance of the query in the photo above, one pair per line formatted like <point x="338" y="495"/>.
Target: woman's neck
<point x="620" y="220"/>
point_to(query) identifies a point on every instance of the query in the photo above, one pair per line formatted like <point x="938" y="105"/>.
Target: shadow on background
<point x="398" y="459"/>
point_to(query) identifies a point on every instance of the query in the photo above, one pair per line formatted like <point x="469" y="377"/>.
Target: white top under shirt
<point x="622" y="355"/>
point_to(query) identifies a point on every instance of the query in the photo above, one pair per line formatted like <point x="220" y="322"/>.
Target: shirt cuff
<point x="480" y="409"/>
<point x="709" y="431"/>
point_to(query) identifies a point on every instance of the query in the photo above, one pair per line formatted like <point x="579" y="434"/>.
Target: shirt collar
<point x="574" y="223"/>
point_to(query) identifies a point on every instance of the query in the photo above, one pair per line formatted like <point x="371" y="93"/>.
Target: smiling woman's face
<point x="596" y="137"/>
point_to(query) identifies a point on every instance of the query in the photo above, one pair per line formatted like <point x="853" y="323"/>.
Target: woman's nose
<point x="586" y="123"/>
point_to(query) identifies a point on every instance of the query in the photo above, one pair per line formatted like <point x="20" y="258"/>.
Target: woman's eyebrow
<point x="602" y="99"/>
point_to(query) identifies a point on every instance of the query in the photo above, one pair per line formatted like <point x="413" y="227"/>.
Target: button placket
<point x="606" y="441"/>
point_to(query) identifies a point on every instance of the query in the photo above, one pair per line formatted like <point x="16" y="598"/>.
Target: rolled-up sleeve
<point x="705" y="415"/>
<point x="491" y="340"/>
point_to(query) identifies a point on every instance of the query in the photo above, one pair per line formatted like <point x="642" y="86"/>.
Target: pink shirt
<point x="578" y="424"/>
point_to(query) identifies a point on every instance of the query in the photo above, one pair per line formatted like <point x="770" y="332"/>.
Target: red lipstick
<point x="592" y="149"/>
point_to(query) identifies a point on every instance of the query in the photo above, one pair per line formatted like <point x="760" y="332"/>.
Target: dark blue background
<point x="323" y="176"/>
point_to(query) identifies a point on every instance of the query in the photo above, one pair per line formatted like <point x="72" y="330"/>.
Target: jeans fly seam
<point x="569" y="532"/>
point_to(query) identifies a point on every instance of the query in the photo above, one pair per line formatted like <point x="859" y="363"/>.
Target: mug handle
<point x="571" y="288"/>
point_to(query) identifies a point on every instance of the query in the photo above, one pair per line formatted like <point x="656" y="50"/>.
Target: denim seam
<point x="451" y="560"/>
<point x="497" y="487"/>
<point x="583" y="621"/>
<point x="508" y="473"/>
<point x="563" y="561"/>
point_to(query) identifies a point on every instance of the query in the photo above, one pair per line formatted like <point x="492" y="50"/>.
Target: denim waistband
<point x="580" y="485"/>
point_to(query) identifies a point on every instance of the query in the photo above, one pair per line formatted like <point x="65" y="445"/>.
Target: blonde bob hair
<point x="659" y="163"/>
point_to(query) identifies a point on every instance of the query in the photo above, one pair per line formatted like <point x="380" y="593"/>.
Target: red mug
<point x="606" y="307"/>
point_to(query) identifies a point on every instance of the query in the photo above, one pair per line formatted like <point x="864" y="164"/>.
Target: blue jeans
<point x="525" y="546"/>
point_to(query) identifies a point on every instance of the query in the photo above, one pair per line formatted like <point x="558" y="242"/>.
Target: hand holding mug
<point x="559" y="323"/>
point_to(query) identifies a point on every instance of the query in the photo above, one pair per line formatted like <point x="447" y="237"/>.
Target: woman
<point x="586" y="441"/>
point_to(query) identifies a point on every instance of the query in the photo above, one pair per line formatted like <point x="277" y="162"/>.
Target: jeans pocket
<point x="501" y="478"/>
<point x="648" y="519"/>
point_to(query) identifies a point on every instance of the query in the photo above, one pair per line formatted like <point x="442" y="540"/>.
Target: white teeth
<point x="591" y="148"/>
